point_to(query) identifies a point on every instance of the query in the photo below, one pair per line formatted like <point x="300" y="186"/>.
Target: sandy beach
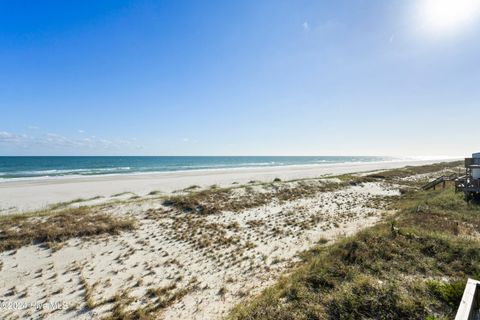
<point x="192" y="254"/>
<point x="35" y="194"/>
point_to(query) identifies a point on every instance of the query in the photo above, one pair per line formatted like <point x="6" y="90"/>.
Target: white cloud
<point x="305" y="26"/>
<point x="8" y="137"/>
<point x="5" y="135"/>
<point x="57" y="141"/>
<point x="185" y="139"/>
<point x="81" y="131"/>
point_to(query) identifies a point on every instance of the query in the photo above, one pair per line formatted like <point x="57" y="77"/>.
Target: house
<point x="469" y="184"/>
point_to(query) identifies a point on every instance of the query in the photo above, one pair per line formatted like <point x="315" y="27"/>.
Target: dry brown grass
<point x="161" y="298"/>
<point x="410" y="171"/>
<point x="214" y="201"/>
<point x="53" y="227"/>
<point x="201" y="233"/>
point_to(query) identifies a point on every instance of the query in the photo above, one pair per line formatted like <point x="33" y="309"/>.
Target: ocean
<point x="37" y="167"/>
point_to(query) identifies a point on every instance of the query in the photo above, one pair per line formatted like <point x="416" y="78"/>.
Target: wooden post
<point x="470" y="301"/>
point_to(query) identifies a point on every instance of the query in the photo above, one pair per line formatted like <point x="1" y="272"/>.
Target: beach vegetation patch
<point x="66" y="204"/>
<point x="52" y="227"/>
<point x="160" y="299"/>
<point x="214" y="201"/>
<point x="417" y="170"/>
<point x="414" y="265"/>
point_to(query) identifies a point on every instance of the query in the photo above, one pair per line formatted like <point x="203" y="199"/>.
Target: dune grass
<point x="216" y="200"/>
<point x="160" y="299"/>
<point x="74" y="201"/>
<point x="413" y="266"/>
<point x="52" y="227"/>
<point x="413" y="170"/>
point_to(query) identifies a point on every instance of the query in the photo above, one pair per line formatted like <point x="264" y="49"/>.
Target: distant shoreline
<point x="73" y="166"/>
<point x="255" y="166"/>
<point x="35" y="194"/>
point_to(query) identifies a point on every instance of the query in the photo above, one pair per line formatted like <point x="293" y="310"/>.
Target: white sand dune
<point x="209" y="262"/>
<point x="165" y="251"/>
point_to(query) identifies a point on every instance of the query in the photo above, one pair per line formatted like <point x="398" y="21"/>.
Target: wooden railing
<point x="469" y="308"/>
<point x="442" y="179"/>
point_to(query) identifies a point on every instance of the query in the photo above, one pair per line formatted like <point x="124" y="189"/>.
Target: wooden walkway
<point x="436" y="182"/>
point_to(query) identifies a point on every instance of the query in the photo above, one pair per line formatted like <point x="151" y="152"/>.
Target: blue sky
<point x="238" y="78"/>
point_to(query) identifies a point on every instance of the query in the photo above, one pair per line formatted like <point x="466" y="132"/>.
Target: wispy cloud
<point x="305" y="26"/>
<point x="392" y="38"/>
<point x="320" y="27"/>
<point x="8" y="137"/>
<point x="57" y="141"/>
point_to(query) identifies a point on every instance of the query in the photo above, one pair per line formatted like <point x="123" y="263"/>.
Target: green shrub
<point x="451" y="293"/>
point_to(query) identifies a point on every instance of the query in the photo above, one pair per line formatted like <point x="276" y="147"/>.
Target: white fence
<point x="469" y="308"/>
